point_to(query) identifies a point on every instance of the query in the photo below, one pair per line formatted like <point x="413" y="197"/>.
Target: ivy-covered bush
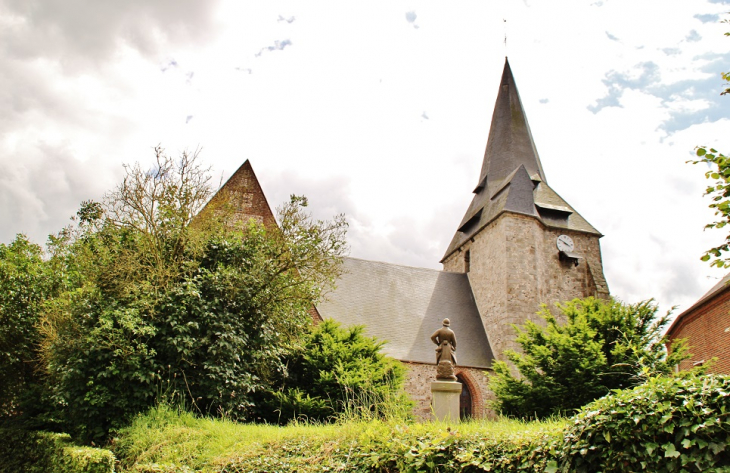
<point x="42" y="452"/>
<point x="664" y="425"/>
<point x="450" y="451"/>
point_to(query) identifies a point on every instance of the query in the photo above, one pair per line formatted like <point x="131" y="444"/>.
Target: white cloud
<point x="341" y="116"/>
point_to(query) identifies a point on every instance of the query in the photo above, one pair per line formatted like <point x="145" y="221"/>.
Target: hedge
<point x="41" y="452"/>
<point x="665" y="425"/>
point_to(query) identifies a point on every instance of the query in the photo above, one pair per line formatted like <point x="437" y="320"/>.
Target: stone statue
<point x="445" y="339"/>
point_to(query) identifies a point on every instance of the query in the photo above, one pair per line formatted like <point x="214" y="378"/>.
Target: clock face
<point x="565" y="243"/>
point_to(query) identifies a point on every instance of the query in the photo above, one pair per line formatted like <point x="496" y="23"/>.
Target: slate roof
<point x="512" y="178"/>
<point x="405" y="305"/>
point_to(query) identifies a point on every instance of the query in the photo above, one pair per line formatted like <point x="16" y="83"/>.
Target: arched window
<point x="465" y="403"/>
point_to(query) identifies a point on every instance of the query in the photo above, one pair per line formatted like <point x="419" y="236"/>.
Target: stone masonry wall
<point x="707" y="329"/>
<point x="515" y="266"/>
<point x="418" y="385"/>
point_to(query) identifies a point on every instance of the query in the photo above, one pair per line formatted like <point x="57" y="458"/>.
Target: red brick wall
<point x="244" y="193"/>
<point x="707" y="329"/>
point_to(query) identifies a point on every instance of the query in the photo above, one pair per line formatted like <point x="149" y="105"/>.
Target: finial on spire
<point x="504" y="21"/>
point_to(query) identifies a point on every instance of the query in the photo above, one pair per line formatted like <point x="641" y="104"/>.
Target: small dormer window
<point x="554" y="214"/>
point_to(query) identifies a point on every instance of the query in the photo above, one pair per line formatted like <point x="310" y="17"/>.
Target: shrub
<point x="164" y="299"/>
<point x="338" y="371"/>
<point x="664" y="425"/>
<point x="26" y="281"/>
<point x="603" y="345"/>
<point x="41" y="452"/>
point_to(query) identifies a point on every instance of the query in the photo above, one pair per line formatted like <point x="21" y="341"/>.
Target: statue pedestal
<point x="445" y="400"/>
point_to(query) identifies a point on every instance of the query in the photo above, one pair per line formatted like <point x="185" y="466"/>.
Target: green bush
<point x="24" y="451"/>
<point x="26" y="281"/>
<point x="162" y="301"/>
<point x="338" y="371"/>
<point x="664" y="425"/>
<point x="448" y="450"/>
<point x="602" y="346"/>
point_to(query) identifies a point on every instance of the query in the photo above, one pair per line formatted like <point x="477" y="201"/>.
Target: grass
<point x="169" y="439"/>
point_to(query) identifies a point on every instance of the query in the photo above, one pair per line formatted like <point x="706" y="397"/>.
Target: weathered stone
<point x="445" y="371"/>
<point x="418" y="385"/>
<point x="514" y="267"/>
<point x="445" y="400"/>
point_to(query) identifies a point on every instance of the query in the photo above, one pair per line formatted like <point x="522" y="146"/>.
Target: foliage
<point x="226" y="328"/>
<point x="26" y="281"/>
<point x="666" y="424"/>
<point x="156" y="208"/>
<point x="726" y="75"/>
<point x="719" y="190"/>
<point x="168" y="439"/>
<point x="603" y="345"/>
<point x="338" y="371"/>
<point x="40" y="452"/>
<point x="163" y="300"/>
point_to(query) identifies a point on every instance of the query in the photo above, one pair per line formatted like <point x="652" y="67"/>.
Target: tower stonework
<point x="506" y="242"/>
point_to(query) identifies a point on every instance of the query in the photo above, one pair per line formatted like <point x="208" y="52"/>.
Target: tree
<point x="726" y="75"/>
<point x="165" y="301"/>
<point x="25" y="283"/>
<point x="604" y="345"/>
<point x="335" y="369"/>
<point x="719" y="191"/>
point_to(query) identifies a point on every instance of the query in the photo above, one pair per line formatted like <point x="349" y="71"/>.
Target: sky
<point x="379" y="110"/>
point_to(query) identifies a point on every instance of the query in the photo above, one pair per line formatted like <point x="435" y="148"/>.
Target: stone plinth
<point x="445" y="400"/>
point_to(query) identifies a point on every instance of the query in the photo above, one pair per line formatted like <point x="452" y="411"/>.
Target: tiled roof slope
<point x="405" y="305"/>
<point x="510" y="143"/>
<point x="512" y="179"/>
<point x="723" y="285"/>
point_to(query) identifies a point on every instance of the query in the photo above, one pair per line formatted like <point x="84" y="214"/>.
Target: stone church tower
<point x="508" y="241"/>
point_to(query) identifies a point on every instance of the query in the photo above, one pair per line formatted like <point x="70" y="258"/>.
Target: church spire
<point x="510" y="143"/>
<point x="512" y="179"/>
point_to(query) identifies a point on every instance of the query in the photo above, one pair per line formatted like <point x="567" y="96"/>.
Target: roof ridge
<point x="401" y="265"/>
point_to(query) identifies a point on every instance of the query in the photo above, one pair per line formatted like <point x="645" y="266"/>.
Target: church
<point x="518" y="245"/>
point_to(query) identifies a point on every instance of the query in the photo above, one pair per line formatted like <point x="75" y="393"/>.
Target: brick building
<point x="519" y="245"/>
<point x="706" y="326"/>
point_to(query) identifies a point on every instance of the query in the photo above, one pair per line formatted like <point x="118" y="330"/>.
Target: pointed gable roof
<point x="510" y="143"/>
<point x="512" y="178"/>
<point x="245" y="194"/>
